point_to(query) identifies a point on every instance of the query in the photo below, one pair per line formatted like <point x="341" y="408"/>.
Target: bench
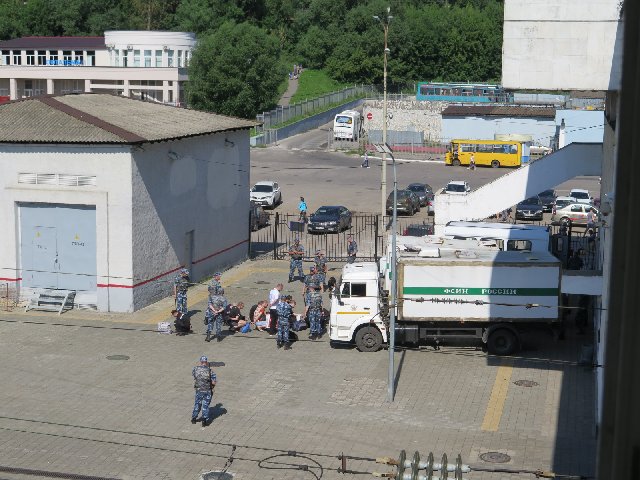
<point x="52" y="300"/>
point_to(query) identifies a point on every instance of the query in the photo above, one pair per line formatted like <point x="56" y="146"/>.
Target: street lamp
<point x="383" y="181"/>
<point x="385" y="149"/>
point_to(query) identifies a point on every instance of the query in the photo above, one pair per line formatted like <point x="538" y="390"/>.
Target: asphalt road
<point x="305" y="167"/>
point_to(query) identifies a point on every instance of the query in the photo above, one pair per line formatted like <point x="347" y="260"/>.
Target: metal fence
<point x="8" y="296"/>
<point x="369" y="231"/>
<point x="283" y="114"/>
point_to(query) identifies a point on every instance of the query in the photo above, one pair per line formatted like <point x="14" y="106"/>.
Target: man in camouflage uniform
<point x="284" y="312"/>
<point x="214" y="283"/>
<point x="204" y="383"/>
<point x="352" y="249"/>
<point x="315" y="314"/>
<point x="321" y="267"/>
<point x="180" y="285"/>
<point x="215" y="313"/>
<point x="296" y="252"/>
<point x="310" y="283"/>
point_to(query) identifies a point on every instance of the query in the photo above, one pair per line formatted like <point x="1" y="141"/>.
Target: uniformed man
<point x="284" y="312"/>
<point x="180" y="285"/>
<point x="296" y="252"/>
<point x="204" y="383"/>
<point x="352" y="249"/>
<point x="315" y="314"/>
<point x="215" y="313"/>
<point x="309" y="284"/>
<point x="214" y="283"/>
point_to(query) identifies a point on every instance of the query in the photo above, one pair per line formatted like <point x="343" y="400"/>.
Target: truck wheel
<point x="455" y="162"/>
<point x="368" y="339"/>
<point x="502" y="342"/>
<point x="495" y="164"/>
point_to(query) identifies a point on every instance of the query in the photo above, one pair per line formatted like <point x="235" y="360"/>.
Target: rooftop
<point x="106" y="119"/>
<point x="498" y="110"/>
<point x="62" y="43"/>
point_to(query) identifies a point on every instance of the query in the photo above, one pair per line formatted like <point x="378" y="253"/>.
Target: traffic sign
<point x="369" y="116"/>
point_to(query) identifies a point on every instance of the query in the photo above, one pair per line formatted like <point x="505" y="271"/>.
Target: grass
<point x="313" y="84"/>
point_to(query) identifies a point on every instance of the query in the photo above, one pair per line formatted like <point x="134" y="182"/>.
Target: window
<point x="353" y="290"/>
<point x="6" y="57"/>
<point x="519" y="245"/>
<point x="78" y="57"/>
<point x="467" y="148"/>
<point x="158" y="58"/>
<point x="67" y="57"/>
<point x="117" y="58"/>
<point x="576" y="208"/>
<point x="169" y="58"/>
<point x="147" y="58"/>
<point x="125" y="58"/>
<point x="136" y="58"/>
<point x="91" y="58"/>
<point x="17" y="58"/>
<point x="42" y="57"/>
<point x="53" y="57"/>
<point x="31" y="57"/>
<point x="180" y="58"/>
<point x="187" y="57"/>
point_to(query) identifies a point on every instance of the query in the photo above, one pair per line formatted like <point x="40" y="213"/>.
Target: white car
<point x="580" y="195"/>
<point x="457" y="187"/>
<point x="266" y="193"/>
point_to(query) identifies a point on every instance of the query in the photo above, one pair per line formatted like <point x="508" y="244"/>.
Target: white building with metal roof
<point x="109" y="197"/>
<point x="139" y="64"/>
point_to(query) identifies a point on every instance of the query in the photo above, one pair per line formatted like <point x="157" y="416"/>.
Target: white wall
<point x="205" y="188"/>
<point x="568" y="45"/>
<point x="111" y="197"/>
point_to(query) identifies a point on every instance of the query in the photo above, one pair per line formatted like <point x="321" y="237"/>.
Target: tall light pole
<point x="383" y="180"/>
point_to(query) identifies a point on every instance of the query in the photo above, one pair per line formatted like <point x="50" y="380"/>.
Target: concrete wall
<point x="569" y="45"/>
<point x="412" y="115"/>
<point x="202" y="186"/>
<point x="111" y="197"/>
<point x="485" y="128"/>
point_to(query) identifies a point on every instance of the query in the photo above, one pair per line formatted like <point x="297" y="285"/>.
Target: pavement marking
<point x="493" y="413"/>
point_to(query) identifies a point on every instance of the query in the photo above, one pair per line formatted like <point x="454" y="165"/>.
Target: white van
<point x="508" y="236"/>
<point x="346" y="125"/>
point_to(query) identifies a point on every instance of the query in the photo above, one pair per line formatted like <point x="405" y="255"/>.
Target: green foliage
<point x="235" y="71"/>
<point x="314" y="83"/>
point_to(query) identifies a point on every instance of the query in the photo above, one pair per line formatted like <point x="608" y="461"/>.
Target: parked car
<point x="457" y="187"/>
<point x="580" y="195"/>
<point x="425" y="194"/>
<point x="418" y="230"/>
<point x="329" y="219"/>
<point x="529" y="209"/>
<point x="408" y="202"/>
<point x="561" y="202"/>
<point x="547" y="198"/>
<point x="266" y="193"/>
<point x="259" y="218"/>
<point x="573" y="214"/>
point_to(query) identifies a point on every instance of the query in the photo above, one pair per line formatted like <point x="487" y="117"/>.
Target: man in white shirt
<point x="274" y="299"/>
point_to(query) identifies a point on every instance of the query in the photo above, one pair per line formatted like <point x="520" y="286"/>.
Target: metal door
<point x="58" y="246"/>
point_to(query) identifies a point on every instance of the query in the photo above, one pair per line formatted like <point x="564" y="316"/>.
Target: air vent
<point x="57" y="179"/>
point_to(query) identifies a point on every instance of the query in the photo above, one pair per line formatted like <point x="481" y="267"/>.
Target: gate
<point x="369" y="231"/>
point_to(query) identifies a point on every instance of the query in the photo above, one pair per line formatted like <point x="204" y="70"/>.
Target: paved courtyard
<point x="66" y="407"/>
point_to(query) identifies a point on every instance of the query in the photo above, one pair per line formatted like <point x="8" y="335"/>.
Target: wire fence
<point x="8" y="296"/>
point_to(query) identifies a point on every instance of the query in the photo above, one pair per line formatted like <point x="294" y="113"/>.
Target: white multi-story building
<point x="138" y="64"/>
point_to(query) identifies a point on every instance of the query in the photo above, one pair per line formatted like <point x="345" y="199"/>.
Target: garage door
<point x="58" y="246"/>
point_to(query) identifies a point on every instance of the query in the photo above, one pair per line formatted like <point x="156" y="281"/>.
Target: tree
<point x="235" y="71"/>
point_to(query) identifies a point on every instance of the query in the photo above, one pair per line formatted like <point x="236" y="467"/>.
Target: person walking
<point x="180" y="286"/>
<point x="352" y="249"/>
<point x="214" y="283"/>
<point x="302" y="209"/>
<point x="204" y="382"/>
<point x="591" y="221"/>
<point x="472" y="162"/>
<point x="315" y="314"/>
<point x="274" y="299"/>
<point x="284" y="312"/>
<point x="365" y="160"/>
<point x="215" y="313"/>
<point x="296" y="252"/>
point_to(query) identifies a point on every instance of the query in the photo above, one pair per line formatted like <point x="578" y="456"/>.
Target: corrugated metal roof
<point x="62" y="43"/>
<point x="104" y="118"/>
<point x="498" y="110"/>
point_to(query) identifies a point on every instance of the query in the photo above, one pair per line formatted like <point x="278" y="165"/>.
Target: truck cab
<point x="354" y="308"/>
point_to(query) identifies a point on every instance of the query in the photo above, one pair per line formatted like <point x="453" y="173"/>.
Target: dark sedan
<point x="423" y="191"/>
<point x="547" y="198"/>
<point x="408" y="202"/>
<point x="329" y="219"/>
<point x="530" y="209"/>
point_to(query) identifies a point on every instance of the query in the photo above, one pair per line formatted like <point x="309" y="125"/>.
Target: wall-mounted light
<point x="111" y="46"/>
<point x="129" y="47"/>
<point x="228" y="143"/>
<point x="165" y="47"/>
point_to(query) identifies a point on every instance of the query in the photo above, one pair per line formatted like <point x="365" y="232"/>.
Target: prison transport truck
<point x="486" y="294"/>
<point x="347" y="125"/>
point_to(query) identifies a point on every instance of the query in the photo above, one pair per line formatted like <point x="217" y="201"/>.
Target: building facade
<point x="138" y="64"/>
<point x="110" y="197"/>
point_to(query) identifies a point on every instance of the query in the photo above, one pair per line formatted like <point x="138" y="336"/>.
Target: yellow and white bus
<point x="489" y="153"/>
